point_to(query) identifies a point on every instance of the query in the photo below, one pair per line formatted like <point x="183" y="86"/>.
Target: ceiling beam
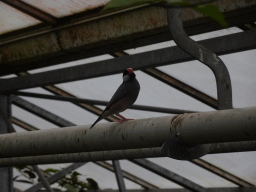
<point x="32" y="11"/>
<point x="87" y="37"/>
<point x="219" y="45"/>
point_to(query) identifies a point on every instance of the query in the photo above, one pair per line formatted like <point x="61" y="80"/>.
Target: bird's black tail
<point x="96" y="121"/>
<point x="102" y="116"/>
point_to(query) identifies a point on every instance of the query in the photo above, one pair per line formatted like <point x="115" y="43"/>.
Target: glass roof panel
<point x="60" y="8"/>
<point x="240" y="164"/>
<point x="241" y="67"/>
<point x="12" y="19"/>
<point x="66" y="110"/>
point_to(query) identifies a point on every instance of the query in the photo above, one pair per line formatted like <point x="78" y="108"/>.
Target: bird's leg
<point x="123" y="119"/>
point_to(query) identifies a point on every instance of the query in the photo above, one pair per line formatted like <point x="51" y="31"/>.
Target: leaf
<point x="20" y="167"/>
<point x="113" y="4"/>
<point x="213" y="12"/>
<point x="24" y="181"/>
<point x="30" y="174"/>
<point x="208" y="10"/>
<point x="70" y="188"/>
<point x="51" y="170"/>
<point x="93" y="184"/>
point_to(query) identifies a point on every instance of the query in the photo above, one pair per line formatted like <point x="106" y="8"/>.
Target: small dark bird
<point x="123" y="98"/>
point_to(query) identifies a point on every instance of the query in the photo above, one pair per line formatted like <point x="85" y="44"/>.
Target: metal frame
<point x="224" y="93"/>
<point x="219" y="45"/>
<point x="6" y="173"/>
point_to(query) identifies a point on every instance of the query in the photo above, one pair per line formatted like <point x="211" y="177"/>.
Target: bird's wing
<point x="121" y="92"/>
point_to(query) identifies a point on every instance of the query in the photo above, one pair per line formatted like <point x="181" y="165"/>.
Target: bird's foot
<point x="123" y="120"/>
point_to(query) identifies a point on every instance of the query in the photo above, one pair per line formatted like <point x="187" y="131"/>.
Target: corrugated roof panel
<point x="12" y="19"/>
<point x="60" y="8"/>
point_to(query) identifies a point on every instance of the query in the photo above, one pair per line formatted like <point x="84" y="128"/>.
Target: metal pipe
<point x="119" y="175"/>
<point x="195" y="128"/>
<point x="203" y="55"/>
<point x="40" y="112"/>
<point x="104" y="103"/>
<point x="117" y="154"/>
<point x="42" y="179"/>
<point x="83" y="157"/>
<point x="6" y="173"/>
<point x="234" y="147"/>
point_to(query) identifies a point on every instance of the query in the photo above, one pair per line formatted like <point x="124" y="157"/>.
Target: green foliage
<point x="51" y="170"/>
<point x="70" y="181"/>
<point x="213" y="12"/>
<point x="208" y="10"/>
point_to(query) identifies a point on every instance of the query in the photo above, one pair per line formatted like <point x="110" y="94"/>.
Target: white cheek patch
<point x="126" y="78"/>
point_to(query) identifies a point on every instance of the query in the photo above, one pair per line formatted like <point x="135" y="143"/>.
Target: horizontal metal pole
<point x="115" y="155"/>
<point x="83" y="157"/>
<point x="219" y="45"/>
<point x="234" y="147"/>
<point x="104" y="103"/>
<point x="195" y="128"/>
<point x="40" y="112"/>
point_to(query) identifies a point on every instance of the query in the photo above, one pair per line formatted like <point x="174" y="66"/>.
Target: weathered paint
<point x="221" y="126"/>
<point x="87" y="35"/>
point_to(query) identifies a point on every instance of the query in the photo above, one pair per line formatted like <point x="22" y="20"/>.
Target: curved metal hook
<point x="202" y="54"/>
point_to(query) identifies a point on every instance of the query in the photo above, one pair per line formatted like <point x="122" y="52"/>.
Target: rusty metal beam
<point x="169" y="80"/>
<point x="32" y="11"/>
<point x="91" y="108"/>
<point x="222" y="173"/>
<point x="88" y="37"/>
<point x="104" y="103"/>
<point x="192" y="92"/>
<point x="57" y="91"/>
<point x="23" y="124"/>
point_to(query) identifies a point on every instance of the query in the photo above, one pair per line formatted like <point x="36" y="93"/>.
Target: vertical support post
<point x="6" y="173"/>
<point x="119" y="176"/>
<point x="43" y="179"/>
<point x="203" y="55"/>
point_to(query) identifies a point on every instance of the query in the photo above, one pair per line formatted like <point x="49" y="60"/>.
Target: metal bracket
<point x="175" y="149"/>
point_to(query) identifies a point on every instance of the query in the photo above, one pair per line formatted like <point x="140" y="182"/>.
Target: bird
<point x="123" y="98"/>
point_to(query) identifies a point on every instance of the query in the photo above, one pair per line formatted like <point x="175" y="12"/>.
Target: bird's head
<point x="128" y="74"/>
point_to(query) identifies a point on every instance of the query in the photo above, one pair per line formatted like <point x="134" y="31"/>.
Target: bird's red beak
<point x="130" y="70"/>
